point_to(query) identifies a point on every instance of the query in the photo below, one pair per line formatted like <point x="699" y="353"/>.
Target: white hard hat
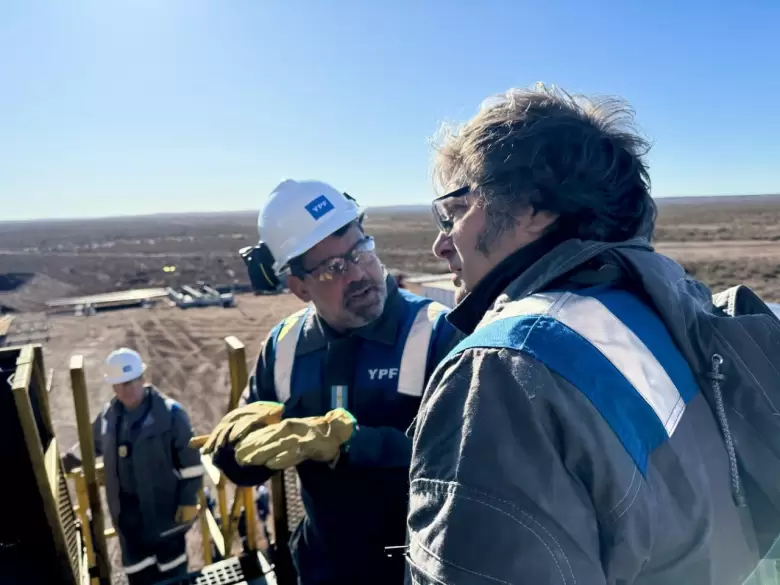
<point x="123" y="365"/>
<point x="300" y="214"/>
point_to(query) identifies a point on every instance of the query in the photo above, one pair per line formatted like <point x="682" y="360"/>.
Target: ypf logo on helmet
<point x="299" y="215"/>
<point x="319" y="207"/>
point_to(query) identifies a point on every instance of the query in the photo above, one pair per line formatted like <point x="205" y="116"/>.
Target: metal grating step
<point x="244" y="570"/>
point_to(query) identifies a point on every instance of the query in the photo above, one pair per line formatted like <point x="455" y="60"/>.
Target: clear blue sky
<point x="114" y="107"/>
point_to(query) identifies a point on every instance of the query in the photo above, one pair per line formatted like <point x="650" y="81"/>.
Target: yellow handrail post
<point x="238" y="381"/>
<point x="251" y="518"/>
<point x="79" y="385"/>
<point x="238" y="374"/>
<point x="204" y="525"/>
<point x="83" y="500"/>
<point x="231" y="526"/>
<point x="222" y="503"/>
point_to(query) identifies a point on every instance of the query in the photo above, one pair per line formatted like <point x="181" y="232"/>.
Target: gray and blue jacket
<point x="565" y="440"/>
<point x="157" y="468"/>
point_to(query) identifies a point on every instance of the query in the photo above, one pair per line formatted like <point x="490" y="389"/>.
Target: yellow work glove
<point x="240" y="421"/>
<point x="185" y="514"/>
<point x="288" y="443"/>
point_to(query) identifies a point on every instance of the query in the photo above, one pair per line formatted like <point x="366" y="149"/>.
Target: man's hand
<point x="239" y="422"/>
<point x="186" y="514"/>
<point x="289" y="442"/>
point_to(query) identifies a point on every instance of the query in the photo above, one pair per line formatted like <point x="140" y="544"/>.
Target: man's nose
<point x="442" y="246"/>
<point x="354" y="272"/>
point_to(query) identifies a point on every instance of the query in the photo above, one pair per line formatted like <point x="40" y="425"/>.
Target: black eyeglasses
<point x="330" y="268"/>
<point x="440" y="214"/>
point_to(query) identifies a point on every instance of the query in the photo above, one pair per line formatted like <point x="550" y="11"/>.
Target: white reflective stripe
<point x="189" y="472"/>
<point x="174" y="563"/>
<point x="242" y="401"/>
<point x="284" y="354"/>
<point x="140" y="566"/>
<point x="338" y="396"/>
<point x="411" y="374"/>
<point x="538" y="304"/>
<point x="593" y="321"/>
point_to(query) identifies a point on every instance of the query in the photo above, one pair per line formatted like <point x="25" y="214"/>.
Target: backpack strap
<point x="740" y="300"/>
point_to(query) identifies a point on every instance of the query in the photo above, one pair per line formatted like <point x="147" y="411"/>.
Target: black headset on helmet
<point x="259" y="261"/>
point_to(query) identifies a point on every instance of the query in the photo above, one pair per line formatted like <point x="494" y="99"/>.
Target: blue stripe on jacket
<point x="584" y="365"/>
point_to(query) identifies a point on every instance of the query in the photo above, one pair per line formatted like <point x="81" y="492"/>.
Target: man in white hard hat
<point x="152" y="476"/>
<point x="335" y="388"/>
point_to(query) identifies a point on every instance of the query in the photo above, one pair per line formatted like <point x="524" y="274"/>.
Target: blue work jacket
<point x="358" y="508"/>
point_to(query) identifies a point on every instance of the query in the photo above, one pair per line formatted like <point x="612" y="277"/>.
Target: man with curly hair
<point x="565" y="440"/>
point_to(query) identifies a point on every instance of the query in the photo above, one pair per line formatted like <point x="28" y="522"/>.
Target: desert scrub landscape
<point x="720" y="240"/>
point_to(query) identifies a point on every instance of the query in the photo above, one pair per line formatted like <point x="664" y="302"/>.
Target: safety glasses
<point x="335" y="266"/>
<point x="443" y="206"/>
<point x="442" y="209"/>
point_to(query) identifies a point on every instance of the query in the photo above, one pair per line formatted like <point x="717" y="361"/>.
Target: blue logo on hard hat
<point x="319" y="207"/>
<point x="127" y="368"/>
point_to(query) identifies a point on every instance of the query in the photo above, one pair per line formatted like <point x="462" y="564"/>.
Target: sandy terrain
<point x="722" y="243"/>
<point x="184" y="350"/>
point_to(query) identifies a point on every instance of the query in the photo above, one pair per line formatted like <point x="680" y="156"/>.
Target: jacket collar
<point x="469" y="311"/>
<point x="317" y="333"/>
<point x="530" y="270"/>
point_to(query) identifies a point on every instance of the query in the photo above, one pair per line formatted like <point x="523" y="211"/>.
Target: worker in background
<point x="152" y="476"/>
<point x="565" y="440"/>
<point x="336" y="386"/>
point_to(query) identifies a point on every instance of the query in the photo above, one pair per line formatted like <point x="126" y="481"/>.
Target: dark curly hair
<point x="573" y="156"/>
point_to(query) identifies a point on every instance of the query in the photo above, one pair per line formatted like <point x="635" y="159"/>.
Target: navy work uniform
<point x="378" y="373"/>
<point x="150" y="471"/>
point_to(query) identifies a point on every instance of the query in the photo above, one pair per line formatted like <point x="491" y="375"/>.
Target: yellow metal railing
<point x="88" y="485"/>
<point x="280" y="483"/>
<point x="29" y="388"/>
<point x="88" y="478"/>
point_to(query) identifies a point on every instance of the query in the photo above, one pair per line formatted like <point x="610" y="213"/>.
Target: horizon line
<point x="409" y="206"/>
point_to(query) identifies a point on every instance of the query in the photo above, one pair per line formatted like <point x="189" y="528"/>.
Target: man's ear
<point x="298" y="288"/>
<point x="535" y="223"/>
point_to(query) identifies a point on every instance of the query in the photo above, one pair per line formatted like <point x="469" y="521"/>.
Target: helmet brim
<point x="128" y="377"/>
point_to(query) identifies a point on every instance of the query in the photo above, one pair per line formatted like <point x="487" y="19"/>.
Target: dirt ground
<point x="721" y="242"/>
